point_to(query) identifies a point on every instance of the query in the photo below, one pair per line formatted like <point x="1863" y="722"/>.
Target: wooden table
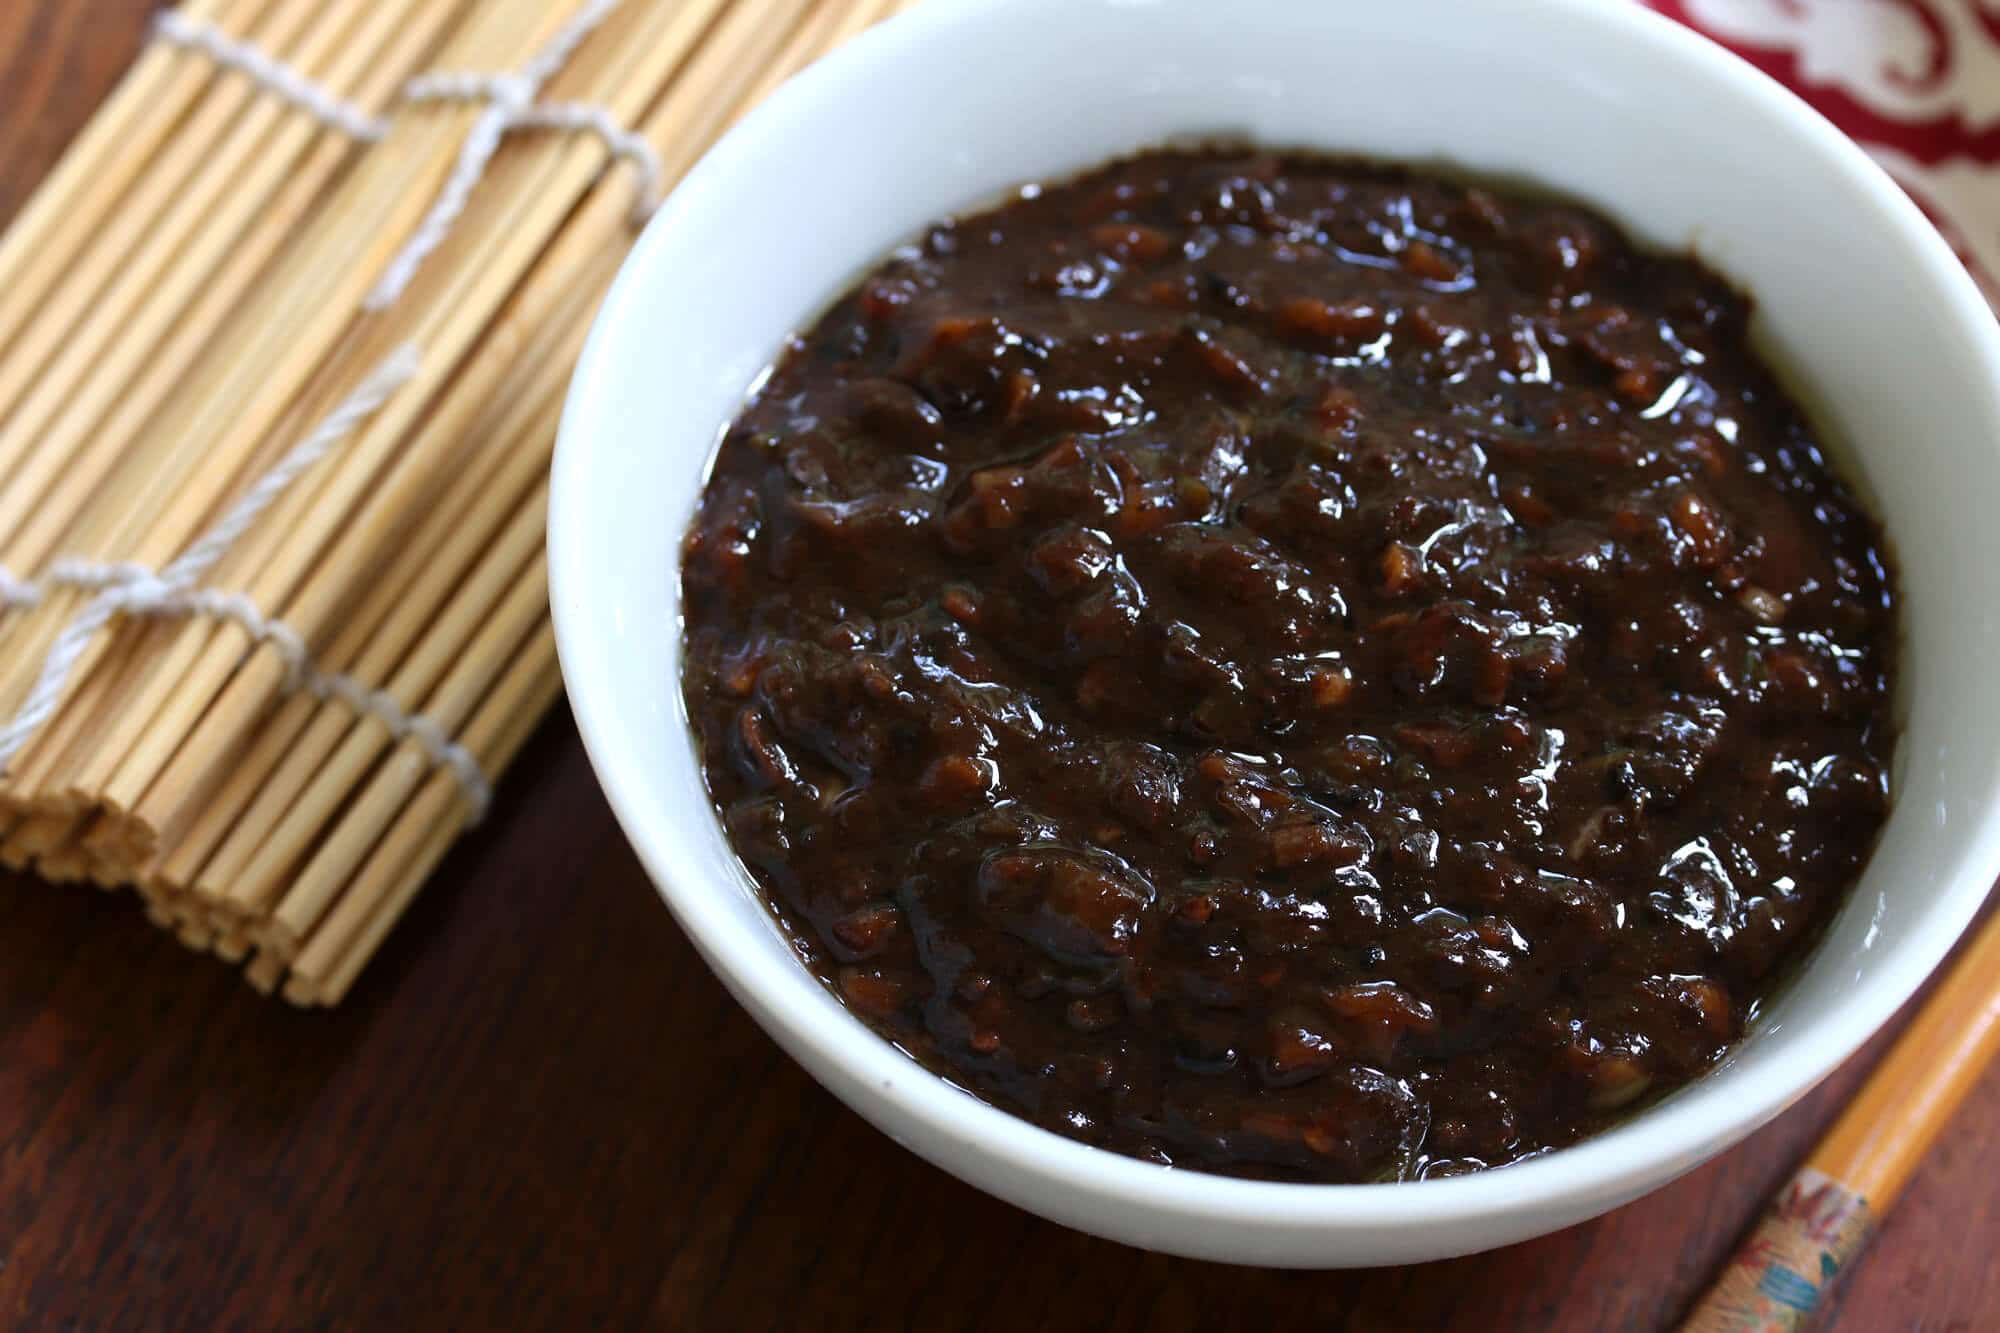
<point x="539" y="1110"/>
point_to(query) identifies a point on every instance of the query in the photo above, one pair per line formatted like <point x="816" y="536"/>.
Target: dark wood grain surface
<point x="539" y="1111"/>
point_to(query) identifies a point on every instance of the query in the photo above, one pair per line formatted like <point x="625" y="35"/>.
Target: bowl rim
<point x="1597" y="1172"/>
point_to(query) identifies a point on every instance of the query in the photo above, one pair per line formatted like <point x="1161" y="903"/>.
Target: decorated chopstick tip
<point x="1781" y="1274"/>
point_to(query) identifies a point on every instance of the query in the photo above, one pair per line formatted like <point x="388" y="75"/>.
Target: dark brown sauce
<point x="1291" y="667"/>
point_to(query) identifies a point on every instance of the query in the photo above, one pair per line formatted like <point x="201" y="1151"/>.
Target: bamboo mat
<point x="283" y="343"/>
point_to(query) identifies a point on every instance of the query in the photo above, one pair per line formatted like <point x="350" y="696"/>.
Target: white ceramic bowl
<point x="1681" y="142"/>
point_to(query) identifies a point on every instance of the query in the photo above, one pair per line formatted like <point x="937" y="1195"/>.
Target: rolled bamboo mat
<point x="283" y="342"/>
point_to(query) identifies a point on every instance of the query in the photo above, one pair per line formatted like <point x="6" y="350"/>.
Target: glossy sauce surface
<point x="1290" y="667"/>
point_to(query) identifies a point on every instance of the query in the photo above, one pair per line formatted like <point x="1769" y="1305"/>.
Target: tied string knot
<point x="132" y="589"/>
<point x="510" y="102"/>
<point x="125" y="587"/>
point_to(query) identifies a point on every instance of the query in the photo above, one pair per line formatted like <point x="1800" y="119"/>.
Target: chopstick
<point x="1826" y="1214"/>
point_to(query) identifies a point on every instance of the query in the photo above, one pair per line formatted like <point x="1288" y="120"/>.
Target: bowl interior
<point x="1878" y="328"/>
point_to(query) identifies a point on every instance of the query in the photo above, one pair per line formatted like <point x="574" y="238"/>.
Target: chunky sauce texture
<point x="1291" y="667"/>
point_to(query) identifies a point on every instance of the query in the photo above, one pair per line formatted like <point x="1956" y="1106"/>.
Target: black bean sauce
<point x="1291" y="667"/>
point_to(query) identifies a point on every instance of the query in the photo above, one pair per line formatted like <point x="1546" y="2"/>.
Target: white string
<point x="141" y="592"/>
<point x="17" y="592"/>
<point x="481" y="142"/>
<point x="510" y="104"/>
<point x="124" y="587"/>
<point x="629" y="145"/>
<point x="128" y="588"/>
<point x="438" y="747"/>
<point x="570" y="117"/>
<point x="269" y="73"/>
<point x="141" y="585"/>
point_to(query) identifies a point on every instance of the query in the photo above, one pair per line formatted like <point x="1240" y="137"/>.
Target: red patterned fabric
<point x="1915" y="82"/>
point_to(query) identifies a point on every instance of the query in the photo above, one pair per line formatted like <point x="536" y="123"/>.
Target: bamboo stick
<point x="309" y="786"/>
<point x="42" y="242"/>
<point x="825" y="29"/>
<point x="235" y="411"/>
<point x="428" y="825"/>
<point x="446" y="322"/>
<point x="166" y="370"/>
<point x="445" y="631"/>
<point x="179" y="244"/>
<point x="129" y="229"/>
<point x="204" y="282"/>
<point x="264" y="972"/>
<point x="249" y="379"/>
<point x="812" y="36"/>
<point x="307" y="894"/>
<point x="374" y="641"/>
<point x="214" y="814"/>
<point x="93" y="704"/>
<point x="863" y="16"/>
<point x="331" y="863"/>
<point x="397" y="499"/>
<point x="453" y="537"/>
